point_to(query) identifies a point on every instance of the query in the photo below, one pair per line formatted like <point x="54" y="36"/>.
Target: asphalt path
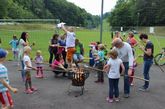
<point x="53" y="92"/>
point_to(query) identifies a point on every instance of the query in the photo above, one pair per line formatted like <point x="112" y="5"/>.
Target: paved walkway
<point x="52" y="93"/>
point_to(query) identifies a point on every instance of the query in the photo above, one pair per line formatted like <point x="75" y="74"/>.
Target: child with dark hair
<point x="78" y="56"/>
<point x="5" y="97"/>
<point x="59" y="65"/>
<point x="113" y="69"/>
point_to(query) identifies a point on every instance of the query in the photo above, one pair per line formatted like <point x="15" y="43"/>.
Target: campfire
<point x="78" y="77"/>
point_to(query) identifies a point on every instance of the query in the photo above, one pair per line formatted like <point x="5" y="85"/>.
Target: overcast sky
<point x="94" y="6"/>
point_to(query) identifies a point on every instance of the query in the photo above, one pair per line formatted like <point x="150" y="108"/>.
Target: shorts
<point x="77" y="57"/>
<point x="6" y="99"/>
<point x="70" y="52"/>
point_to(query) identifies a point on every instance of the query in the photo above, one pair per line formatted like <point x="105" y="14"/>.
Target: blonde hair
<point x="38" y="52"/>
<point x="101" y="46"/>
<point x="27" y="48"/>
<point x="113" y="54"/>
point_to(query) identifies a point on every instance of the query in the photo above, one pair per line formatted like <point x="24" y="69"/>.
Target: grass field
<point x="42" y="36"/>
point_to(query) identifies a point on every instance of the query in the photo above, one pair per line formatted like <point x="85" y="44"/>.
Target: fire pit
<point x="78" y="77"/>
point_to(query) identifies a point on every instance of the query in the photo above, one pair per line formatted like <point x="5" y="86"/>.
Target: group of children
<point x="113" y="65"/>
<point x="108" y="62"/>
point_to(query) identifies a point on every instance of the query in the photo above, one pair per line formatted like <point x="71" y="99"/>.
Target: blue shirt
<point x="62" y="42"/>
<point x="101" y="55"/>
<point x="13" y="43"/>
<point x="3" y="75"/>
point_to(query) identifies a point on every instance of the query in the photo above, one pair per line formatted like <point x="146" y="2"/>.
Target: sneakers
<point x="126" y="95"/>
<point x="111" y="100"/>
<point x="33" y="89"/>
<point x="97" y="81"/>
<point x="132" y="84"/>
<point x="117" y="99"/>
<point x="143" y="89"/>
<point x="28" y="91"/>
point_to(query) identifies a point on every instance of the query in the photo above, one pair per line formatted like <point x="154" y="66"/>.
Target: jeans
<point x="22" y="70"/>
<point x="113" y="88"/>
<point x="77" y="57"/>
<point x="126" y="79"/>
<point x="52" y="53"/>
<point x="146" y="68"/>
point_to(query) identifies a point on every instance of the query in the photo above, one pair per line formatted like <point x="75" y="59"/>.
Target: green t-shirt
<point x="78" y="49"/>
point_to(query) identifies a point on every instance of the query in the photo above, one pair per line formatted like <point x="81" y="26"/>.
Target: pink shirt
<point x="56" y="63"/>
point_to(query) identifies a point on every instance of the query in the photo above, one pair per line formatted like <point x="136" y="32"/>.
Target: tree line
<point x="138" y="13"/>
<point x="47" y="9"/>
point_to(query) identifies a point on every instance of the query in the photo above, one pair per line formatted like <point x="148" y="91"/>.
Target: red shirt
<point x="132" y="41"/>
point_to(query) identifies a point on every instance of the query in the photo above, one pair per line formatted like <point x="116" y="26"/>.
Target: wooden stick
<point x="49" y="70"/>
<point x="87" y="58"/>
<point x="136" y="77"/>
<point x="93" y="68"/>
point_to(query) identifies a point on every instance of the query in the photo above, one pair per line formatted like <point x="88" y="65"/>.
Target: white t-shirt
<point x="21" y="48"/>
<point x="70" y="39"/>
<point x="114" y="71"/>
<point x="26" y="58"/>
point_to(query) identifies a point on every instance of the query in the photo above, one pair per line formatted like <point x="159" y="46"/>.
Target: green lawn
<point x="42" y="37"/>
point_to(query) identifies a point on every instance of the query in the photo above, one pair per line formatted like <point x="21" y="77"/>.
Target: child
<point x="28" y="66"/>
<point x="113" y="68"/>
<point x="39" y="61"/>
<point x="5" y="97"/>
<point x="59" y="64"/>
<point x="78" y="56"/>
<point x="133" y="72"/>
<point x="100" y="63"/>
<point x="14" y="44"/>
<point x="62" y="45"/>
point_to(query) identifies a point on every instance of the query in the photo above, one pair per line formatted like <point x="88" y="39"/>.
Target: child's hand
<point x="35" y="68"/>
<point x="14" y="90"/>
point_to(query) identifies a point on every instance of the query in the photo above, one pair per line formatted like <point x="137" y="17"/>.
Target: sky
<point x="94" y="6"/>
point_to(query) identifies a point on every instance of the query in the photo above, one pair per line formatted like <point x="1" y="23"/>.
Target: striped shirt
<point x="3" y="75"/>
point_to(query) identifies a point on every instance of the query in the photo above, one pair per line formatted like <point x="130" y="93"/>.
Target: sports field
<point x="41" y="34"/>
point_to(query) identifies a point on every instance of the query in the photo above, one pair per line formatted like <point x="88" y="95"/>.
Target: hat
<point x="3" y="53"/>
<point x="93" y="44"/>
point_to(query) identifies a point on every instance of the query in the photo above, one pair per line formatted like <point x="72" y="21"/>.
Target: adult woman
<point x="22" y="42"/>
<point x="53" y="47"/>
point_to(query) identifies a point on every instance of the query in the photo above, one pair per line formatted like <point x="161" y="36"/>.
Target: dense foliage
<point x="47" y="9"/>
<point x="138" y="12"/>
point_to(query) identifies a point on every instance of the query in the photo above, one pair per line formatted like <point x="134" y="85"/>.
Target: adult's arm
<point x="130" y="56"/>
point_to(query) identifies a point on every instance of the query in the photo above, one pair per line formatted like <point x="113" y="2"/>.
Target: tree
<point x="3" y="8"/>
